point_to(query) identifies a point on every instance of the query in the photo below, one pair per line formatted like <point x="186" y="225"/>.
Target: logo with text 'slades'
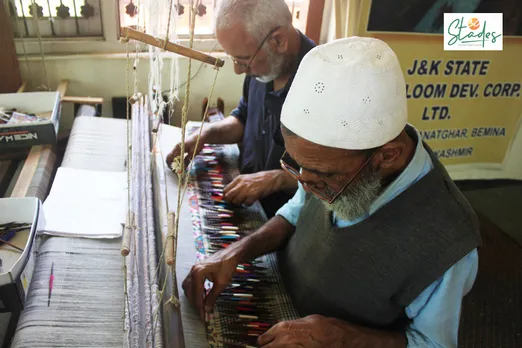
<point x="473" y="32"/>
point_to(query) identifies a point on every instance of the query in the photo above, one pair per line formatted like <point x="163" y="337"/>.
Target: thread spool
<point x="135" y="98"/>
<point x="129" y="227"/>
<point x="170" y="257"/>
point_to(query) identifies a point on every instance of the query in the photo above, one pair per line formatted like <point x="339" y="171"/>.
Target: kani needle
<point x="51" y="280"/>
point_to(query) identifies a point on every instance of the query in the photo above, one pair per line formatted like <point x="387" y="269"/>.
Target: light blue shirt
<point x="435" y="313"/>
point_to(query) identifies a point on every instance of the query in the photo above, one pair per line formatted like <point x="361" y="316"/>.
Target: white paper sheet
<point x="85" y="203"/>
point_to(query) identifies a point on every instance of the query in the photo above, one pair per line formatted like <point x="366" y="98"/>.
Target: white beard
<point x="266" y="78"/>
<point x="277" y="64"/>
<point x="356" y="199"/>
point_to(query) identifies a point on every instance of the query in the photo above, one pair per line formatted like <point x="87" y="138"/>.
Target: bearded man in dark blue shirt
<point x="261" y="41"/>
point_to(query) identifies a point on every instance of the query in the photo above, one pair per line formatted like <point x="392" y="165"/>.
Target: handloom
<point x="90" y="292"/>
<point x="87" y="300"/>
<point x="101" y="299"/>
<point x="255" y="300"/>
<point x="185" y="328"/>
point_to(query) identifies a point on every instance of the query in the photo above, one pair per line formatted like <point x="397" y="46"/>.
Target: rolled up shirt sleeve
<point x="290" y="211"/>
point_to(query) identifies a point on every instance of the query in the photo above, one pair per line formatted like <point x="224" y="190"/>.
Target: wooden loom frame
<point x="129" y="33"/>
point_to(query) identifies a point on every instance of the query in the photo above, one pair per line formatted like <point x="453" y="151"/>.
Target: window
<point x="55" y="18"/>
<point x="204" y="28"/>
<point x="76" y="31"/>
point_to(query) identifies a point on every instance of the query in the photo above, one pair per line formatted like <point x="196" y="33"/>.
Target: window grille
<point x="55" y="18"/>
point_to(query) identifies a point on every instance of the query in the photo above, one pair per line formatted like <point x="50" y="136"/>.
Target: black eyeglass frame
<point x="317" y="192"/>
<point x="247" y="66"/>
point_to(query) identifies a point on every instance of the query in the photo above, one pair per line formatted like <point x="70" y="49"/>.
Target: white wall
<point x="104" y="76"/>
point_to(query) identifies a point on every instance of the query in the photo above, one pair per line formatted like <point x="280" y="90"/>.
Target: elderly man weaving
<point x="378" y="246"/>
<point x="261" y="41"/>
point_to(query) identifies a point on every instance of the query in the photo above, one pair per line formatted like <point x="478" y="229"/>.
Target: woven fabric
<point x="87" y="306"/>
<point x="41" y="180"/>
<point x="87" y="300"/>
<point x="249" y="220"/>
<point x="97" y="143"/>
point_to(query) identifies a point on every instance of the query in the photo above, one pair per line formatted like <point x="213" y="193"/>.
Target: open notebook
<point x="86" y="203"/>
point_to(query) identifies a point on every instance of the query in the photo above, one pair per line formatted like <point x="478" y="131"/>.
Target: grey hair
<point x="258" y="16"/>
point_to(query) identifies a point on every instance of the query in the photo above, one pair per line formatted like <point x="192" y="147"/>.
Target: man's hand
<point x="248" y="188"/>
<point x="227" y="131"/>
<point x="221" y="266"/>
<point x="310" y="332"/>
<point x="219" y="269"/>
<point x="316" y="331"/>
<point x="190" y="147"/>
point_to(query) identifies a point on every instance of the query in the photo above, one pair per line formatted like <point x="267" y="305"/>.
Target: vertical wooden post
<point x="10" y="79"/>
<point x="315" y="20"/>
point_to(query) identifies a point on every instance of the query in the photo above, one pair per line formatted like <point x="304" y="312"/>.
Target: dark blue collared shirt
<point x="262" y="145"/>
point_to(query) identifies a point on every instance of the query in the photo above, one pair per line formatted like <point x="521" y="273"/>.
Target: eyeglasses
<point x="318" y="192"/>
<point x="247" y="66"/>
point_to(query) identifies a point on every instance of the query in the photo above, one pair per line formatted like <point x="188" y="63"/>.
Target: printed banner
<point x="466" y="104"/>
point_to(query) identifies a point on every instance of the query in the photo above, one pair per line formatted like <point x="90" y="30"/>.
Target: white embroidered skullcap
<point x="349" y="94"/>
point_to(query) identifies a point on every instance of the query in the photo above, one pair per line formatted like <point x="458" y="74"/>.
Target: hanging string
<point x="19" y="27"/>
<point x="168" y="26"/>
<point x="36" y="24"/>
<point x="182" y="178"/>
<point x="185" y="185"/>
<point x="159" y="267"/>
<point x="174" y="297"/>
<point x="126" y="304"/>
<point x="184" y="118"/>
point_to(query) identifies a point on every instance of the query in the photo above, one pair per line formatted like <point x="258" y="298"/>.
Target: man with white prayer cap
<point x="378" y="246"/>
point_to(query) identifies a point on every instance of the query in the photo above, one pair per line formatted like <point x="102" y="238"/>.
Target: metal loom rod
<point x="129" y="33"/>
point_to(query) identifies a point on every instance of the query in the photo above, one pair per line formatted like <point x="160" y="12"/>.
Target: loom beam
<point x="129" y="33"/>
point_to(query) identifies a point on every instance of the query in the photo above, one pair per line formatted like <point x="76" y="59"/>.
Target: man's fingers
<point x="250" y="199"/>
<point x="266" y="338"/>
<point x="186" y="286"/>
<point x="241" y="196"/>
<point x="232" y="185"/>
<point x="169" y="159"/>
<point x="212" y="296"/>
<point x="187" y="160"/>
<point x="231" y="193"/>
<point x="172" y="154"/>
<point x="198" y="293"/>
<point x="176" y="151"/>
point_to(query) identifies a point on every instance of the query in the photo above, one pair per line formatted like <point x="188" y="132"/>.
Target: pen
<point x="51" y="279"/>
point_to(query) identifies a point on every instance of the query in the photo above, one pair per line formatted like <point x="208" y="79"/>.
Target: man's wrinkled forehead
<point x="236" y="41"/>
